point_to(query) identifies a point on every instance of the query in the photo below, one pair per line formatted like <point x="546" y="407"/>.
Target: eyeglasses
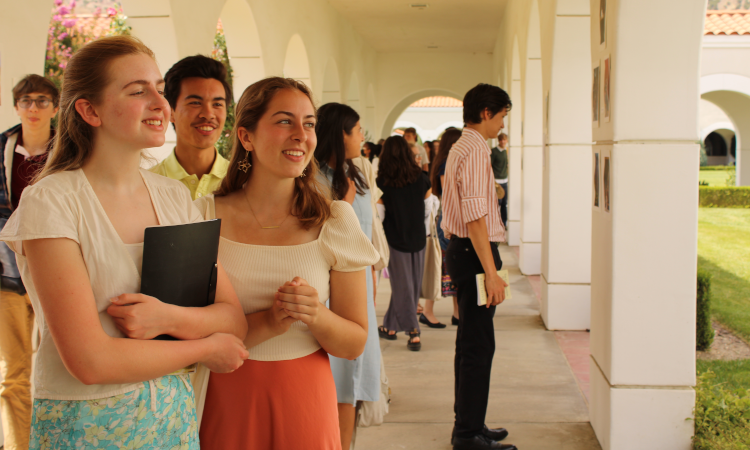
<point x="41" y="102"/>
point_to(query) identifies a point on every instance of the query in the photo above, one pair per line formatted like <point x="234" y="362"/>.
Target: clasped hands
<point x="495" y="289"/>
<point x="295" y="300"/>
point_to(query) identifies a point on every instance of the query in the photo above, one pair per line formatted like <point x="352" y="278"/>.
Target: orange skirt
<point x="267" y="405"/>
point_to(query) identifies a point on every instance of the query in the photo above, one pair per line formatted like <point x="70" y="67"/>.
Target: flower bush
<point x="219" y="53"/>
<point x="73" y="24"/>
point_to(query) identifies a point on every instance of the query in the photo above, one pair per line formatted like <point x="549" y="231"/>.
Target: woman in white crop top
<point x="100" y="381"/>
<point x="286" y="249"/>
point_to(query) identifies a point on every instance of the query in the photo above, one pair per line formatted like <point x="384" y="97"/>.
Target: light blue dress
<point x="359" y="379"/>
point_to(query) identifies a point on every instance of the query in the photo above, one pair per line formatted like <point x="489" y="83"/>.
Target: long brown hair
<point x="397" y="167"/>
<point x="86" y="76"/>
<point x="449" y="138"/>
<point x="311" y="207"/>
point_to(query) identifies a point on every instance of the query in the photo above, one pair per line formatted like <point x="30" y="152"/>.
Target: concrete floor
<point x="533" y="390"/>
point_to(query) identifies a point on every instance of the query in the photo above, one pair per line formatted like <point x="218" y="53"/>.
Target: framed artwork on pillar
<point x="595" y="89"/>
<point x="603" y="24"/>
<point x="607" y="97"/>
<point x="596" y="188"/>
<point x="607" y="182"/>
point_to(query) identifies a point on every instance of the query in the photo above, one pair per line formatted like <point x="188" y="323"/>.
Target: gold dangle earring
<point x="304" y="173"/>
<point x="245" y="165"/>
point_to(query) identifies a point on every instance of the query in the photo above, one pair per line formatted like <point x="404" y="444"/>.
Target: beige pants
<point x="16" y="325"/>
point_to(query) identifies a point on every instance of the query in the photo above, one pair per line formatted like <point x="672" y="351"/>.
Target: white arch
<point x="243" y="45"/>
<point x="296" y="63"/>
<point x="725" y="82"/>
<point x="331" y="83"/>
<point x="407" y="124"/>
<point x="717" y="126"/>
<point x="515" y="138"/>
<point x="399" y="108"/>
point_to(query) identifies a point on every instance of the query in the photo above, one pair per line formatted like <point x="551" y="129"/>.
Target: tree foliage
<point x="219" y="53"/>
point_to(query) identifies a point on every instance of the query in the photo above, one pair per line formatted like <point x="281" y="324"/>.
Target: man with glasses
<point x="25" y="148"/>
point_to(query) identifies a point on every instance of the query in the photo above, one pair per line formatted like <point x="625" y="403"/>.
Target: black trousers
<point x="475" y="339"/>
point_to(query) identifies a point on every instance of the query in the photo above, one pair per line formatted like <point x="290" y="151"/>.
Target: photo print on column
<point x="595" y="88"/>
<point x="607" y="180"/>
<point x="607" y="97"/>
<point x="595" y="191"/>
<point x="603" y="24"/>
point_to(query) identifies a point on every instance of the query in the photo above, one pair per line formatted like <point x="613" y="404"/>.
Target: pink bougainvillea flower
<point x="111" y="12"/>
<point x="62" y="36"/>
<point x="57" y="18"/>
<point x="63" y="65"/>
<point x="58" y="2"/>
<point x="69" y="23"/>
<point x="72" y="4"/>
<point x="62" y="10"/>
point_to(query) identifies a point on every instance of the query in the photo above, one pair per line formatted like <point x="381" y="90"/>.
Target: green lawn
<point x="724" y="250"/>
<point x="714" y="177"/>
<point x="733" y="374"/>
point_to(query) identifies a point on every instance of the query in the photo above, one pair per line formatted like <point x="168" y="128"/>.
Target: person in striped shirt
<point x="472" y="221"/>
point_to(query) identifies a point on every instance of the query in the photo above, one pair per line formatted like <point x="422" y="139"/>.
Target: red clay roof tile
<point x="727" y="22"/>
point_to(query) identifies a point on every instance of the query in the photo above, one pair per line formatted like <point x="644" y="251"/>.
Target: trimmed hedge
<point x="718" y="167"/>
<point x="704" y="332"/>
<point x="724" y="197"/>
<point x="722" y="416"/>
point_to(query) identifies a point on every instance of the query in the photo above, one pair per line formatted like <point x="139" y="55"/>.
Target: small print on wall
<point x="607" y="181"/>
<point x="607" y="97"/>
<point x="595" y="97"/>
<point x="596" y="181"/>
<point x="603" y="23"/>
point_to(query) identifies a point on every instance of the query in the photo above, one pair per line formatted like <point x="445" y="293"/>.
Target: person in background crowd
<point x="25" y="148"/>
<point x="429" y="147"/>
<point x="288" y="249"/>
<point x="448" y="289"/>
<point x="404" y="187"/>
<point x="410" y="134"/>
<point x="473" y="223"/>
<point x="78" y="237"/>
<point x="418" y="161"/>
<point x="499" y="160"/>
<point x="339" y="134"/>
<point x="373" y="155"/>
<point x="197" y="90"/>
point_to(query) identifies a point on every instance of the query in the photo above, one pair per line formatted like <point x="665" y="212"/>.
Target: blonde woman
<point x="78" y="236"/>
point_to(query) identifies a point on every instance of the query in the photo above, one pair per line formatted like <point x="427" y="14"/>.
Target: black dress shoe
<point x="423" y="319"/>
<point x="480" y="442"/>
<point x="496" y="434"/>
<point x="454" y="321"/>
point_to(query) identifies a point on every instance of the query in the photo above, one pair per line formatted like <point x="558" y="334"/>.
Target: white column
<point x="515" y="153"/>
<point x="643" y="268"/>
<point x="23" y="45"/>
<point x="530" y="261"/>
<point x="566" y="205"/>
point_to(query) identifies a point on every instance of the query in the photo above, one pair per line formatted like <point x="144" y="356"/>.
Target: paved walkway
<point x="533" y="393"/>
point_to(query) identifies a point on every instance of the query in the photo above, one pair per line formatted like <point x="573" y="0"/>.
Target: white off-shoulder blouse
<point x="258" y="271"/>
<point x="64" y="205"/>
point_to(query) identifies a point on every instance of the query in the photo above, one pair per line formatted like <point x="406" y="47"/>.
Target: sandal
<point x="383" y="333"/>
<point x="411" y="345"/>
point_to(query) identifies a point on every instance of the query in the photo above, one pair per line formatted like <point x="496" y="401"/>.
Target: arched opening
<point x="352" y="98"/>
<point x="730" y="94"/>
<point x="331" y="84"/>
<point x="530" y="261"/>
<point x="243" y="45"/>
<point x="431" y="116"/>
<point x="401" y="106"/>
<point x="296" y="64"/>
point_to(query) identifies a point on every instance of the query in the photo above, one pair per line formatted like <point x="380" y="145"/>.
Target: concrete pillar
<point x="515" y="151"/>
<point x="566" y="210"/>
<point x="530" y="261"/>
<point x="243" y="45"/>
<point x="643" y="267"/>
<point x="23" y="45"/>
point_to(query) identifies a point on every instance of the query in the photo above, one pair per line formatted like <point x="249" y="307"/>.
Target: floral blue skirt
<point x="159" y="415"/>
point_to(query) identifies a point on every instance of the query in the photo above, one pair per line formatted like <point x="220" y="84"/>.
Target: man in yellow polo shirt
<point x="196" y="88"/>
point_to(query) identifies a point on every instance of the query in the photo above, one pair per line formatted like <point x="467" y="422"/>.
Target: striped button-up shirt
<point x="469" y="189"/>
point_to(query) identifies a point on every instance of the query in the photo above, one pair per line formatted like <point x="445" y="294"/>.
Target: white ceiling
<point x="451" y="25"/>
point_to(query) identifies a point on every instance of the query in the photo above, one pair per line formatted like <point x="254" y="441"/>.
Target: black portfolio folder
<point x="180" y="264"/>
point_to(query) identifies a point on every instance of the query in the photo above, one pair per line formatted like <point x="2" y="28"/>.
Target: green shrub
<point x="722" y="417"/>
<point x="724" y="197"/>
<point x="704" y="156"/>
<point x="718" y="167"/>
<point x="704" y="332"/>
